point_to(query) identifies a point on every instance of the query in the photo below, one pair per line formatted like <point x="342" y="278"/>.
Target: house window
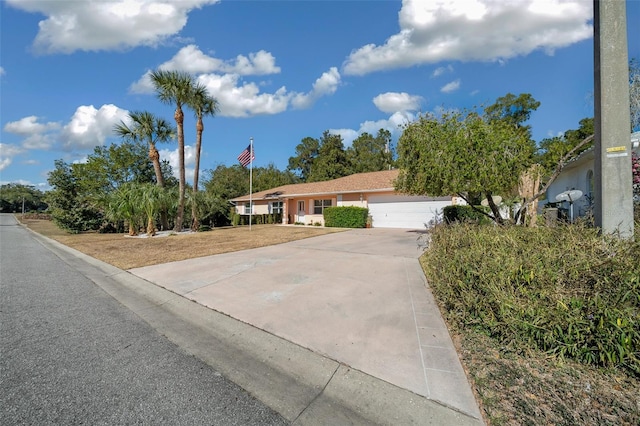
<point x="320" y="205"/>
<point x="247" y="208"/>
<point x="276" y="207"/>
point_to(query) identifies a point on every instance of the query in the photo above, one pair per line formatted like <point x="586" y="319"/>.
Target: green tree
<point x="463" y="153"/>
<point x="176" y="88"/>
<point x="202" y="105"/>
<point x="306" y="153"/>
<point x="15" y="196"/>
<point x="551" y="151"/>
<point x="331" y="162"/>
<point x="271" y="177"/>
<point x="151" y="130"/>
<point x="371" y="154"/>
<point x="71" y="209"/>
<point x="515" y="110"/>
<point x="126" y="204"/>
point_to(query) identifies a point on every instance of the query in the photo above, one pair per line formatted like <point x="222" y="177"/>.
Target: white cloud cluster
<point x="392" y="102"/>
<point x="92" y="25"/>
<point x="402" y="107"/>
<point x="90" y="127"/>
<point x="239" y="98"/>
<point x="7" y="152"/>
<point x="474" y="30"/>
<point x="36" y="135"/>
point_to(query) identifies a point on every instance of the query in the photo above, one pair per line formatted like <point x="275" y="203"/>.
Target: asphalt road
<point x="71" y="354"/>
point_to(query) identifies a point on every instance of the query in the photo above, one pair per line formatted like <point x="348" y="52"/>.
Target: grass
<point x="126" y="252"/>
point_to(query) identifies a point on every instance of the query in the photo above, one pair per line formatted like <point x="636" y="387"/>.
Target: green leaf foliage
<point x="345" y="217"/>
<point x="567" y="290"/>
<point x="464" y="213"/>
<point x="461" y="152"/>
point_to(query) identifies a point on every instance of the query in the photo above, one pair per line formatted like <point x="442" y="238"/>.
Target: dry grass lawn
<point x="126" y="252"/>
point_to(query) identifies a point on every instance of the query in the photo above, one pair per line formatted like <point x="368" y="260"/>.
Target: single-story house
<point x="578" y="174"/>
<point x="305" y="202"/>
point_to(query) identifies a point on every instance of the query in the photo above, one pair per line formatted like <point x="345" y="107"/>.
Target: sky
<point x="281" y="70"/>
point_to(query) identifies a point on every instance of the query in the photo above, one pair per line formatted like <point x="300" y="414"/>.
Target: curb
<point x="303" y="387"/>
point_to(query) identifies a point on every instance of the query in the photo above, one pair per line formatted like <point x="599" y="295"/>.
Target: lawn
<point x="126" y="252"/>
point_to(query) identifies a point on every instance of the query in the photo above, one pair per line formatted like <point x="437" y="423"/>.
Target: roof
<point x="360" y="182"/>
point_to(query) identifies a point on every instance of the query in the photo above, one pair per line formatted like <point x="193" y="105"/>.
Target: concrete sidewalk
<point x="357" y="297"/>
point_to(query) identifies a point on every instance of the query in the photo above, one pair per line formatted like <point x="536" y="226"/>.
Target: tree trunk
<point x="154" y="156"/>
<point x="179" y="117"/>
<point x="151" y="227"/>
<point x="195" y="224"/>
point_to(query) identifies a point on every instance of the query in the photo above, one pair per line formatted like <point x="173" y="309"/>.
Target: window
<point x="276" y="207"/>
<point x="320" y="205"/>
<point x="247" y="208"/>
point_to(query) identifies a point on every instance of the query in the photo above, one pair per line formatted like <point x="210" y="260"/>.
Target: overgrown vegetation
<point x="566" y="290"/>
<point x="548" y="319"/>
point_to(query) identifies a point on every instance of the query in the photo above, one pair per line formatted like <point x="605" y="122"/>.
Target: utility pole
<point x="613" y="187"/>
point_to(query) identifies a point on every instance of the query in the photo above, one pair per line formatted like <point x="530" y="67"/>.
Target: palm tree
<point x="175" y="87"/>
<point x="202" y="104"/>
<point x="150" y="129"/>
<point x="124" y="205"/>
<point x="150" y="201"/>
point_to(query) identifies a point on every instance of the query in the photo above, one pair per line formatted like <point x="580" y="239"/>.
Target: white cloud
<point x="391" y="102"/>
<point x="2" y="71"/>
<point x="36" y="135"/>
<point x="192" y="60"/>
<point x="174" y="160"/>
<point x="451" y="87"/>
<point x="143" y="85"/>
<point x="7" y="152"/>
<point x="89" y="127"/>
<point x="243" y="99"/>
<point x="475" y="30"/>
<point x="347" y="135"/>
<point x="92" y="25"/>
<point x="326" y="84"/>
<point x="441" y="70"/>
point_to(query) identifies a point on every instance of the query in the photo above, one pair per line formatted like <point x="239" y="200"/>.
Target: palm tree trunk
<point x="179" y="117"/>
<point x="195" y="223"/>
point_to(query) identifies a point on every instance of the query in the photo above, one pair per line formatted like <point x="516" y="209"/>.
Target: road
<point x="71" y="354"/>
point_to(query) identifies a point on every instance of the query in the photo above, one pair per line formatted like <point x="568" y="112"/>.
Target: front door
<point x="300" y="215"/>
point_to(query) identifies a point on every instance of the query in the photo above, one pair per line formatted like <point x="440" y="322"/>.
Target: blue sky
<point x="281" y="70"/>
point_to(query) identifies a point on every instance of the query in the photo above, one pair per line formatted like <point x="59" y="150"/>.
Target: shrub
<point x="565" y="290"/>
<point x="464" y="213"/>
<point x="345" y="217"/>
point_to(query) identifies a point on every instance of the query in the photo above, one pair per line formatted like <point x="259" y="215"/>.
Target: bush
<point x="565" y="290"/>
<point x="464" y="214"/>
<point x="345" y="217"/>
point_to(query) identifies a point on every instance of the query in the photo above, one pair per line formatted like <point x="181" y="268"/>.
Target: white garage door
<point x="404" y="211"/>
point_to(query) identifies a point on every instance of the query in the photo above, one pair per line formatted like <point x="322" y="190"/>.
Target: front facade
<point x="304" y="203"/>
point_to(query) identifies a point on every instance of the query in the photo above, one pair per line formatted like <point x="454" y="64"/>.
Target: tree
<point x="202" y="104"/>
<point x="14" y="197"/>
<point x="71" y="209"/>
<point x="552" y="150"/>
<point x="149" y="129"/>
<point x="331" y="162"/>
<point x="513" y="109"/>
<point x="306" y="153"/>
<point x="463" y="153"/>
<point x="174" y="87"/>
<point x="371" y="154"/>
<point x="126" y="204"/>
<point x="271" y="177"/>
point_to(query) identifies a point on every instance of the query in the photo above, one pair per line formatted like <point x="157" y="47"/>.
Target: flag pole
<point x="250" y="182"/>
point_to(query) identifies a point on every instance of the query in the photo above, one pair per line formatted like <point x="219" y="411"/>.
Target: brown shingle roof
<point x="361" y="182"/>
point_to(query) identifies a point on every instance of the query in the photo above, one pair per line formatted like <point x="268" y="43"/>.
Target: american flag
<point x="246" y="156"/>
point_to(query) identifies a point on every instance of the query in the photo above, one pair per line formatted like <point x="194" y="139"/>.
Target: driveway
<point x="358" y="297"/>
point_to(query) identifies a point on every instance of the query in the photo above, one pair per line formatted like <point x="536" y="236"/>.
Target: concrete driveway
<point x="358" y="297"/>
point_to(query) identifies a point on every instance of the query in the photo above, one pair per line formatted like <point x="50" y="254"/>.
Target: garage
<point x="405" y="211"/>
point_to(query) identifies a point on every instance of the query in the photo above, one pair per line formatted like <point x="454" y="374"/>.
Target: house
<point x="578" y="174"/>
<point x="304" y="202"/>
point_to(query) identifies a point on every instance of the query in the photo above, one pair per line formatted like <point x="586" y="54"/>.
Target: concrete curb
<point x="302" y="386"/>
